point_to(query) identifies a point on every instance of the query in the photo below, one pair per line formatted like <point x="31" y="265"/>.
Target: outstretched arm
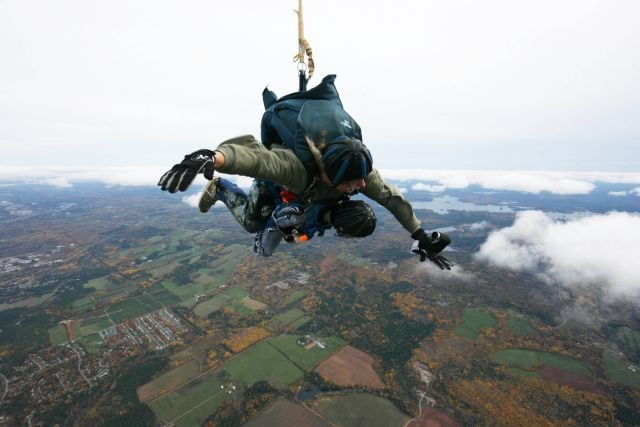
<point x="428" y="247"/>
<point x="238" y="156"/>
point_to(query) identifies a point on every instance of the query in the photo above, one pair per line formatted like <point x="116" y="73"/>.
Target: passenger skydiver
<point x="323" y="163"/>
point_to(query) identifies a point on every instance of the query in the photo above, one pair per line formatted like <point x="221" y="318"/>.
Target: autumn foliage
<point x="245" y="338"/>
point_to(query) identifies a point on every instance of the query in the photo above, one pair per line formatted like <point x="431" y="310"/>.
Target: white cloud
<point x="561" y="183"/>
<point x="456" y="272"/>
<point x="59" y="182"/>
<point x="479" y="225"/>
<point x="191" y="200"/>
<point x="632" y="192"/>
<point x="599" y="250"/>
<point x="426" y="187"/>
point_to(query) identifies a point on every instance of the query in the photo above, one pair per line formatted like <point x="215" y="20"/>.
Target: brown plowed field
<point x="284" y="413"/>
<point x="350" y="367"/>
<point x="560" y="376"/>
<point x="433" y="418"/>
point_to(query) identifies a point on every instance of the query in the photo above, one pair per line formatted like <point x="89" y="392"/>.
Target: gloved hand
<point x="431" y="246"/>
<point x="182" y="175"/>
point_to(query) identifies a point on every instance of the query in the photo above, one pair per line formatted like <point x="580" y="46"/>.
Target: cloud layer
<point x="561" y="183"/>
<point x="600" y="250"/>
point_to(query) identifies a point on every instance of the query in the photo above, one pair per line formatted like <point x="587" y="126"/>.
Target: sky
<point x="456" y="85"/>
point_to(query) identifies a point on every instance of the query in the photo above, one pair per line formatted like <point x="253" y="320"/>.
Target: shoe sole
<point x="208" y="197"/>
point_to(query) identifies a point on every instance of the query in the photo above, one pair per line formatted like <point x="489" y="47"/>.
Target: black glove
<point x="182" y="175"/>
<point x="431" y="246"/>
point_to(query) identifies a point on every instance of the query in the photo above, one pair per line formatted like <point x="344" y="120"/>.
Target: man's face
<point x="351" y="186"/>
<point x="345" y="187"/>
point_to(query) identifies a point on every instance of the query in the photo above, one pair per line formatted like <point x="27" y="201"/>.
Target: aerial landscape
<point x="127" y="306"/>
<point x="347" y="214"/>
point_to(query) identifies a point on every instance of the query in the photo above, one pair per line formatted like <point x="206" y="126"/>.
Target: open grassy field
<point x="533" y="359"/>
<point x="253" y="304"/>
<point x="630" y="337"/>
<point x="82" y="305"/>
<point x="519" y="325"/>
<point x="99" y="284"/>
<point x="354" y="260"/>
<point x="295" y="296"/>
<point x="205" y="308"/>
<point x="168" y="381"/>
<point x="204" y="344"/>
<point x="129" y="309"/>
<point x="523" y="373"/>
<point x="92" y="343"/>
<point x="306" y="359"/>
<point x="473" y="321"/>
<point x="237" y="293"/>
<point x="359" y="409"/>
<point x="58" y="335"/>
<point x="297" y="323"/>
<point x="285" y="413"/>
<point x="209" y="278"/>
<point x="190" y="404"/>
<point x="349" y="367"/>
<point x="91" y="325"/>
<point x="241" y="309"/>
<point x="617" y="370"/>
<point x="289" y="316"/>
<point x="263" y="362"/>
<point x="163" y="296"/>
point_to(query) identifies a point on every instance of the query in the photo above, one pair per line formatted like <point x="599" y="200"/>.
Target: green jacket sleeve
<point x="391" y="198"/>
<point x="247" y="156"/>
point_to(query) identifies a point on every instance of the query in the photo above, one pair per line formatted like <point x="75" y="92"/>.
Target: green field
<point x="532" y="359"/>
<point x="205" y="308"/>
<point x="204" y="344"/>
<point x="263" y="362"/>
<point x="306" y="359"/>
<point x="92" y="343"/>
<point x="99" y="284"/>
<point x="301" y="321"/>
<point x="192" y="403"/>
<point x="519" y="325"/>
<point x="630" y="337"/>
<point x="129" y="309"/>
<point x="287" y="317"/>
<point x="359" y="409"/>
<point x="237" y="293"/>
<point x="473" y="321"/>
<point x="354" y="260"/>
<point x="241" y="309"/>
<point x="207" y="279"/>
<point x="295" y="296"/>
<point x="92" y="325"/>
<point x="82" y="305"/>
<point x="617" y="370"/>
<point x="163" y="296"/>
<point x="522" y="373"/>
<point x="58" y="335"/>
<point x="169" y="380"/>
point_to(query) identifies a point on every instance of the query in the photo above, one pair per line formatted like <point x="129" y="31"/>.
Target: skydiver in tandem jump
<point x="310" y="162"/>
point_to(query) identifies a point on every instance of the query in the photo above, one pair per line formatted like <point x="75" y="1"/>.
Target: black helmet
<point x="346" y="159"/>
<point x="353" y="218"/>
